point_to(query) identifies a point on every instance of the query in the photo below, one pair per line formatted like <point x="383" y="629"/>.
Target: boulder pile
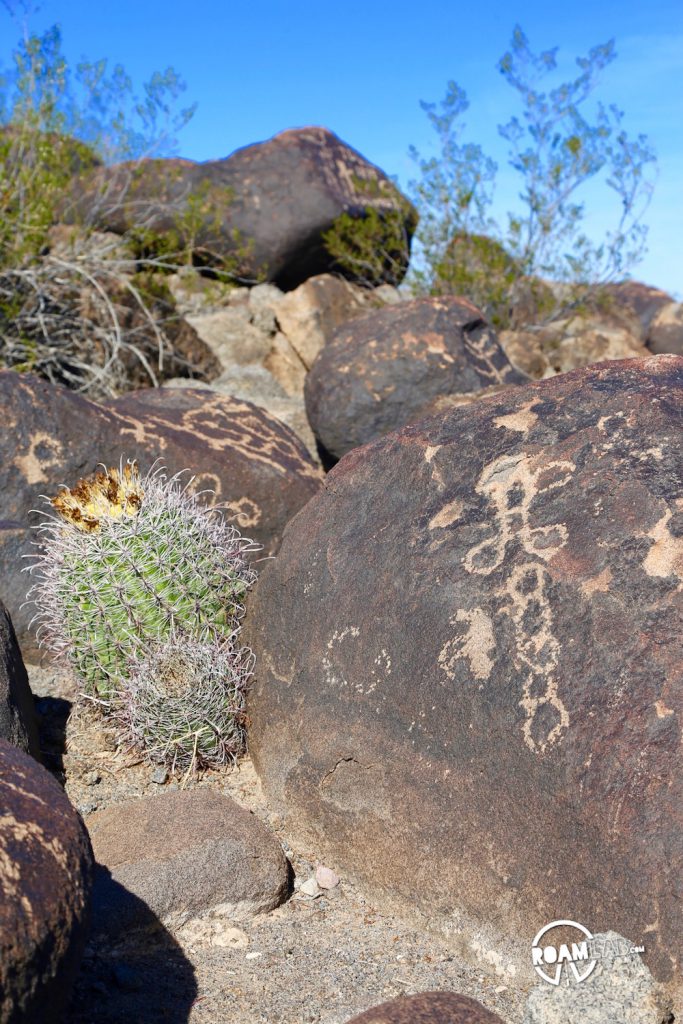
<point x="467" y="696"/>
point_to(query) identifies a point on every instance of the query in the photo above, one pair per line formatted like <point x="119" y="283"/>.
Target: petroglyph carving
<point x="665" y="557"/>
<point x="476" y="644"/>
<point x="521" y="420"/>
<point x="481" y="346"/>
<point x="510" y="484"/>
<point x="339" y="635"/>
<point x="44" y="452"/>
<point x="247" y="512"/>
<point x="209" y="486"/>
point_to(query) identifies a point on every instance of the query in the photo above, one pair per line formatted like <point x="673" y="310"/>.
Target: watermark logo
<point x="578" y="954"/>
<point x="545" y="954"/>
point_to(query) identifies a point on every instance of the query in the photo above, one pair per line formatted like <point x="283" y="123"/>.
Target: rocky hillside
<point x="461" y="794"/>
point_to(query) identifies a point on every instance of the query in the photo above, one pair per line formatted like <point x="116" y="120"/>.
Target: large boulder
<point x="45" y="880"/>
<point x="183" y="854"/>
<point x="665" y="331"/>
<point x="642" y="300"/>
<point x="572" y="342"/>
<point x="17" y="714"/>
<point x="384" y="369"/>
<point x="428" y="1008"/>
<point x="261" y="212"/>
<point x="51" y="436"/>
<point x="468" y="690"/>
<point x="309" y="315"/>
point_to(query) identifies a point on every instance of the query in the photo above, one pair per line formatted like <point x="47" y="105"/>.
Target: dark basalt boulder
<point x="46" y="869"/>
<point x="52" y="436"/>
<point x="262" y="212"/>
<point x="386" y="368"/>
<point x="428" y="1008"/>
<point x="469" y="666"/>
<point x="17" y="714"/>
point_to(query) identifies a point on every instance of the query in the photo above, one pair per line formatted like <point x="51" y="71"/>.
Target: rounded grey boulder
<point x="183" y="853"/>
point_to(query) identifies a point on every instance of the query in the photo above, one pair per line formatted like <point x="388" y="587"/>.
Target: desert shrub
<point x="373" y="246"/>
<point x="556" y="148"/>
<point x="76" y="313"/>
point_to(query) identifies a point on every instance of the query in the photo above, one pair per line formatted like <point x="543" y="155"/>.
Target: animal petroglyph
<point x="510" y="484"/>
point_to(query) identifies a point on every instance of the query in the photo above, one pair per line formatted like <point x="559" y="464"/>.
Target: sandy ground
<point x="319" y="960"/>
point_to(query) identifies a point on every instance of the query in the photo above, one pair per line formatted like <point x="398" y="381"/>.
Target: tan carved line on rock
<point x="476" y="645"/>
<point x="510" y="484"/>
<point x="140" y="433"/>
<point x="253" y="438"/>
<point x="665" y="557"/>
<point x="483" y="351"/>
<point x="248" y="513"/>
<point x="209" y="483"/>
<point x="522" y="420"/>
<point x="31" y="465"/>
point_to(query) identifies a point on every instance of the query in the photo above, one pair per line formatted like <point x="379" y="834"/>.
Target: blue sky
<point x="362" y="68"/>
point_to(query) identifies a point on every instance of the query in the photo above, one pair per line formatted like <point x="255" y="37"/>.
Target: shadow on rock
<point x="52" y="715"/>
<point x="133" y="969"/>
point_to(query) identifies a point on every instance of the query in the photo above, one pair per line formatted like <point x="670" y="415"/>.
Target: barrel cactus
<point x="183" y="704"/>
<point x="129" y="561"/>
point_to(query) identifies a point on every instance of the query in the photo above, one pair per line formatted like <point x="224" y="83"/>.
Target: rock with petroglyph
<point x="183" y="854"/>
<point x="263" y="211"/>
<point x="429" y="1008"/>
<point x="46" y="870"/>
<point x="384" y="369"/>
<point x="480" y="618"/>
<point x="17" y="715"/>
<point x="250" y="460"/>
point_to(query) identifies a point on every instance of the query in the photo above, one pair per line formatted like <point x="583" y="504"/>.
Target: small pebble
<point x="325" y="877"/>
<point x="310" y="888"/>
<point x="253" y="956"/>
<point x="126" y="978"/>
<point x="159" y="776"/>
<point x="229" y="938"/>
<point x="92" y="778"/>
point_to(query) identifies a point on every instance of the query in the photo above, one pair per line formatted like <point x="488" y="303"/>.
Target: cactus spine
<point x="184" y="702"/>
<point x="128" y="562"/>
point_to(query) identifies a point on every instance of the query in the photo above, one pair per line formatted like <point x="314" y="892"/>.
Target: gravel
<point x="325" y="955"/>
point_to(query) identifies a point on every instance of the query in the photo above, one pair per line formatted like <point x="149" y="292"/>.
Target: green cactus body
<point x="117" y="573"/>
